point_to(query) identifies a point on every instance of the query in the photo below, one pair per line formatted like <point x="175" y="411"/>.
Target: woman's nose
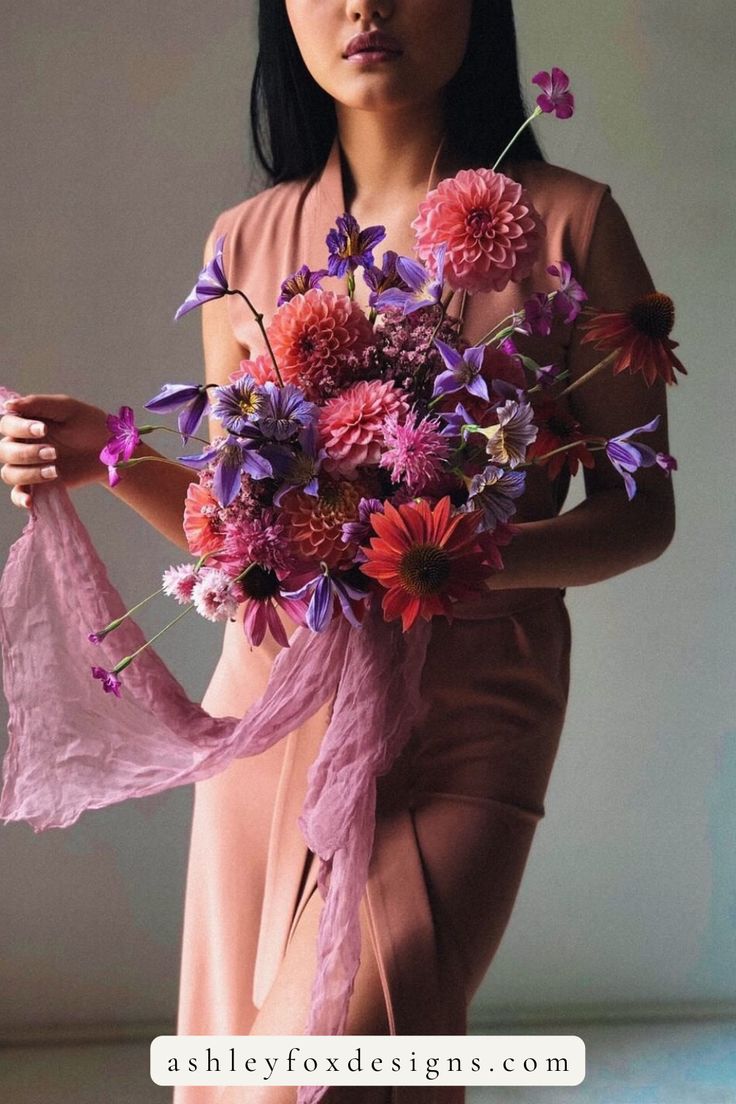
<point x="369" y="10"/>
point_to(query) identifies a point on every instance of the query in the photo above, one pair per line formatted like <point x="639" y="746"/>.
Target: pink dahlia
<point x="415" y="450"/>
<point x="351" y="424"/>
<point x="261" y="369"/>
<point x="316" y="338"/>
<point x="489" y="224"/>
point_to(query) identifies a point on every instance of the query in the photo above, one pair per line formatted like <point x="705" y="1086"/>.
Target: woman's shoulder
<point x="271" y="202"/>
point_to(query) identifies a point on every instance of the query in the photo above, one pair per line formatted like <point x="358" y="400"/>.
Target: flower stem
<point x="351" y="284"/>
<point x="168" y="429"/>
<point x="259" y="319"/>
<point x="142" y="459"/>
<point x="563" y="448"/>
<point x="129" y="659"/>
<point x="589" y="374"/>
<point x="535" y="114"/>
<point x="119" y="620"/>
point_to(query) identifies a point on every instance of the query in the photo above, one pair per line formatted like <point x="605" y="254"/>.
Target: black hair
<point x="293" y="120"/>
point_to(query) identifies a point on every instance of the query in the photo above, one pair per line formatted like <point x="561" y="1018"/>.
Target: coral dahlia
<point x="314" y="523"/>
<point x="314" y="336"/>
<point x="351" y="424"/>
<point x="425" y="559"/>
<point x="260" y="368"/>
<point x="641" y="336"/>
<point x="489" y="224"/>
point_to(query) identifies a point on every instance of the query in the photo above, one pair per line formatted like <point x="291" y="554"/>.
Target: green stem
<point x="150" y="428"/>
<point x="534" y="115"/>
<point x="563" y="448"/>
<point x="129" y="659"/>
<point x="119" y="620"/>
<point x="591" y="372"/>
<point x="351" y="284"/>
<point x="141" y="459"/>
<point x="259" y="319"/>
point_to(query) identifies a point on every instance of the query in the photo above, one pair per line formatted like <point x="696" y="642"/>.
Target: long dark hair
<point x="293" y="119"/>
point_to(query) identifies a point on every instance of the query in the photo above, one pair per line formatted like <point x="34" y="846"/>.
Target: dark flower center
<point x="560" y="427"/>
<point x="479" y="222"/>
<point x="653" y="315"/>
<point x="424" y="569"/>
<point x="260" y="582"/>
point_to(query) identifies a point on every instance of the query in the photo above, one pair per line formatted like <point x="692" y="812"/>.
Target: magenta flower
<point x="538" y="315"/>
<point x="110" y="682"/>
<point x="211" y="283"/>
<point x="666" y="462"/>
<point x="350" y="247"/>
<point x="555" y="95"/>
<point x="359" y="531"/>
<point x="567" y="301"/>
<point x="122" y="444"/>
<point x="415" y="449"/>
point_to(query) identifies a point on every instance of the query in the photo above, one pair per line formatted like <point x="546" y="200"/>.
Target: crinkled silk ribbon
<point x="73" y="747"/>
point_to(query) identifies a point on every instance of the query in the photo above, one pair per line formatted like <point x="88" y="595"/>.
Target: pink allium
<point x="178" y="582"/>
<point x="491" y="228"/>
<point x="555" y="95"/>
<point x="314" y="338"/>
<point x="351" y="424"/>
<point x="214" y="595"/>
<point x="260" y="369"/>
<point x="415" y="450"/>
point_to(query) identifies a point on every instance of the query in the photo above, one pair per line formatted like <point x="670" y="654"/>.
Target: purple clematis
<point x="211" y="283"/>
<point x="233" y="456"/>
<point x="350" y="247"/>
<point x="455" y="421"/>
<point x="299" y="282"/>
<point x="324" y="588"/>
<point x="568" y="300"/>
<point x="189" y="398"/>
<point x="425" y="284"/>
<point x="628" y="456"/>
<point x="463" y="370"/>
<point x="493" y="491"/>
<point x="122" y="444"/>
<point x="555" y="95"/>
<point x="304" y="466"/>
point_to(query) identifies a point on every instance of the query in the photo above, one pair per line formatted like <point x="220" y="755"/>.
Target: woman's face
<point x="424" y="47"/>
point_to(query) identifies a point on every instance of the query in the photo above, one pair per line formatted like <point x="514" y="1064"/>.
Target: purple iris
<point x="359" y="531"/>
<point x="211" y="283"/>
<point x="235" y="455"/>
<point x="304" y="466"/>
<point x="383" y="278"/>
<point x="325" y="588"/>
<point x="425" y="284"/>
<point x="189" y="398"/>
<point x="299" y="282"/>
<point x="567" y="301"/>
<point x="122" y="444"/>
<point x="350" y="247"/>
<point x="628" y="456"/>
<point x="284" y="411"/>
<point x="493" y="491"/>
<point x="463" y="370"/>
<point x="238" y="404"/>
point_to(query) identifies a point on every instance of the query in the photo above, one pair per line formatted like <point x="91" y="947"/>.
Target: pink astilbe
<point x="489" y="224"/>
<point x="316" y="338"/>
<point x="416" y="449"/>
<point x="351" y="424"/>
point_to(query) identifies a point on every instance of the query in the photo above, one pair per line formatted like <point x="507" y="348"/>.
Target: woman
<point x="366" y="125"/>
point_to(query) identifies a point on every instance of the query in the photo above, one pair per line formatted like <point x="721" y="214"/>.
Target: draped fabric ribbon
<point x="73" y="747"/>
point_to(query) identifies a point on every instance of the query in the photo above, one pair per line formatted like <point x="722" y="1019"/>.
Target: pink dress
<point x="456" y="815"/>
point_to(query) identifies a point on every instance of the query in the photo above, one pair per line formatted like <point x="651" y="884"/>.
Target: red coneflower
<point x="424" y="558"/>
<point x="640" y="334"/>
<point x="557" y="428"/>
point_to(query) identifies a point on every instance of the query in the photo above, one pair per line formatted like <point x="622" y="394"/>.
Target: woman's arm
<point x="606" y="534"/>
<point x="157" y="491"/>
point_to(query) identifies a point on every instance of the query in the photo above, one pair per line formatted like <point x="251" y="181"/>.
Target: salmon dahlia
<point x="314" y="523"/>
<point x="425" y="558"/>
<point x="351" y="424"/>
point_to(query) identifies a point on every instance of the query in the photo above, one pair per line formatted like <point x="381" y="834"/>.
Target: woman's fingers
<point x="24" y="453"/>
<point x="13" y="425"/>
<point x="16" y="474"/>
<point x="20" y="496"/>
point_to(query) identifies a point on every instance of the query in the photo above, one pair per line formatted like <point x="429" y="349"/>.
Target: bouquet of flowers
<point x="378" y="456"/>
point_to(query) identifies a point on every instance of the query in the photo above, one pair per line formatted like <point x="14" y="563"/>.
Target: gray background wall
<point x="126" y="134"/>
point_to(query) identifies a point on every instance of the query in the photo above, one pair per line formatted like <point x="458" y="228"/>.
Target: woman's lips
<point x="373" y="55"/>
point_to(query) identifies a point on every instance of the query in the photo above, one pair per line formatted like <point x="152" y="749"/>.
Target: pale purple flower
<point x="350" y="247"/>
<point x="285" y="411"/>
<point x="359" y="531"/>
<point x="233" y="456"/>
<point x="628" y="456"/>
<point x="454" y="421"/>
<point x="189" y="398"/>
<point x="383" y="278"/>
<point x="299" y="282"/>
<point x="567" y="301"/>
<point x="507" y="442"/>
<point x="214" y="595"/>
<point x="415" y="449"/>
<point x="493" y="491"/>
<point x="463" y="370"/>
<point x="425" y="284"/>
<point x="122" y="444"/>
<point x="555" y="95"/>
<point x="110" y="681"/>
<point x="304" y="465"/>
<point x="178" y="582"/>
<point x="324" y="588"/>
<point x="211" y="283"/>
<point x="238" y="404"/>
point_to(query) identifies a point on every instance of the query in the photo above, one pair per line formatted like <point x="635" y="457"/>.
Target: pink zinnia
<point x="351" y="424"/>
<point x="260" y="369"/>
<point x="315" y="337"/>
<point x="415" y="450"/>
<point x="489" y="224"/>
<point x="178" y="582"/>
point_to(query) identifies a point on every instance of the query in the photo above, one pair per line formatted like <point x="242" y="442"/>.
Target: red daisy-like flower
<point x="640" y="334"/>
<point x="556" y="428"/>
<point x="425" y="558"/>
<point x="201" y="525"/>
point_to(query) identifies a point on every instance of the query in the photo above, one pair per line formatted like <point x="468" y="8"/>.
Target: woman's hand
<point x="66" y="445"/>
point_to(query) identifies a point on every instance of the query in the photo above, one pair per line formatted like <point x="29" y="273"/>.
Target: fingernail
<point x="47" y="453"/>
<point x="38" y="429"/>
<point x="49" y="473"/>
